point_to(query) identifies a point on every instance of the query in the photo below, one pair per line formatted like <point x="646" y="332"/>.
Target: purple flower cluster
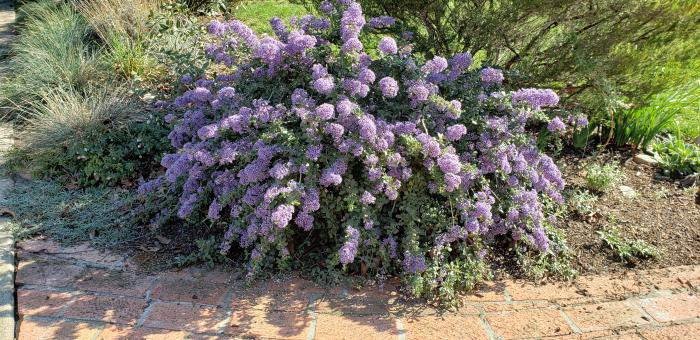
<point x="388" y="45"/>
<point x="535" y="98"/>
<point x="349" y="250"/>
<point x="300" y="135"/>
<point x="491" y="76"/>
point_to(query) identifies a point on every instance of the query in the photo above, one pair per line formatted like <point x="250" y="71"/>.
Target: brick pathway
<point x="81" y="293"/>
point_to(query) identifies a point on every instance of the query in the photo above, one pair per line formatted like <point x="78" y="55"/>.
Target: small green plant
<point x="603" y="178"/>
<point x="677" y="157"/>
<point x="556" y="262"/>
<point x="626" y="249"/>
<point x="207" y="252"/>
<point x="98" y="138"/>
<point x="101" y="216"/>
<point x="581" y="201"/>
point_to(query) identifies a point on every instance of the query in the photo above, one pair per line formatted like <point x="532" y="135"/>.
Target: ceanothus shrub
<point x="372" y="160"/>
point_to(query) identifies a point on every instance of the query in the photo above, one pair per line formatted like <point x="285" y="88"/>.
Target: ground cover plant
<point x="677" y="157"/>
<point x="603" y="178"/>
<point x="626" y="249"/>
<point x="374" y="161"/>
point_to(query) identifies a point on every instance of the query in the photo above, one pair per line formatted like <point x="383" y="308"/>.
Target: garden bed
<point x="662" y="213"/>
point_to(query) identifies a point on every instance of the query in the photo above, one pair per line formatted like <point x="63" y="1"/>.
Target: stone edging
<point x="7" y="287"/>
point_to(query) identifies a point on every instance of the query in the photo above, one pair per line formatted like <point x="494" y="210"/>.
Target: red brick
<point x="190" y="290"/>
<point x="39" y="245"/>
<point x="115" y="332"/>
<point x="600" y="335"/>
<point x="609" y="287"/>
<point x="329" y="326"/>
<point x="354" y="306"/>
<point x="418" y="309"/>
<point x="85" y="253"/>
<point x="444" y="327"/>
<point x="49" y="329"/>
<point x="112" y="309"/>
<point x="608" y="315"/>
<point x="270" y="300"/>
<point x="671" y="332"/>
<point x="268" y="324"/>
<point x="185" y="316"/>
<point x="202" y="273"/>
<point x="41" y="302"/>
<point x="293" y="284"/>
<point x="521" y="290"/>
<point x="676" y="307"/>
<point x="113" y="282"/>
<point x="674" y="278"/>
<point x="516" y="306"/>
<point x="528" y="324"/>
<point x="487" y="292"/>
<point x="48" y="273"/>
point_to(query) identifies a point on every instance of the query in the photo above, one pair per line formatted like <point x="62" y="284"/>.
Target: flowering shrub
<point x="382" y="163"/>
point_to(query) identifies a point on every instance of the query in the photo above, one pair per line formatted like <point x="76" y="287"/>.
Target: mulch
<point x="663" y="213"/>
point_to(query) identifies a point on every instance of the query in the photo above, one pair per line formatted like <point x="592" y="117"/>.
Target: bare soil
<point x="663" y="214"/>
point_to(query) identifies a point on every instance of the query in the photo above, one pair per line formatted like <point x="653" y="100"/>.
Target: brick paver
<point x="186" y="316"/>
<point x="69" y="298"/>
<point x="41" y="302"/>
<point x="113" y="309"/>
<point x="606" y="315"/>
<point x="676" y="307"/>
<point x="526" y="324"/>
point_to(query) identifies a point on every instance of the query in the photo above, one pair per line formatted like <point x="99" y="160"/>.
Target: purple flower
<point x="581" y="121"/>
<point x="389" y="87"/>
<point x="279" y="28"/>
<point x="541" y="239"/>
<point x="388" y="45"/>
<point x="351" y="22"/>
<point x="208" y="131"/>
<point x="281" y="216"/>
<point x="366" y="76"/>
<point x="368" y="130"/>
<point x="355" y="88"/>
<point x="214" y="212"/>
<point x="352" y="45"/>
<point x="335" y="130"/>
<point x="535" y="98"/>
<point x="324" y="85"/>
<point x="304" y="221"/>
<point x="333" y="175"/>
<point x="452" y="181"/>
<point x="556" y="125"/>
<point x="367" y="198"/>
<point x="491" y="76"/>
<point x="413" y="263"/>
<point x="325" y="111"/>
<point x="226" y="92"/>
<point x="186" y="79"/>
<point x="318" y="71"/>
<point x="326" y="7"/>
<point x="382" y="22"/>
<point x="418" y="92"/>
<point x="449" y="163"/>
<point x="435" y="65"/>
<point x="455" y="132"/>
<point x="314" y="152"/>
<point x="459" y="63"/>
<point x="349" y="250"/>
<point x="280" y="170"/>
<point x="298" y="43"/>
<point x="268" y="51"/>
